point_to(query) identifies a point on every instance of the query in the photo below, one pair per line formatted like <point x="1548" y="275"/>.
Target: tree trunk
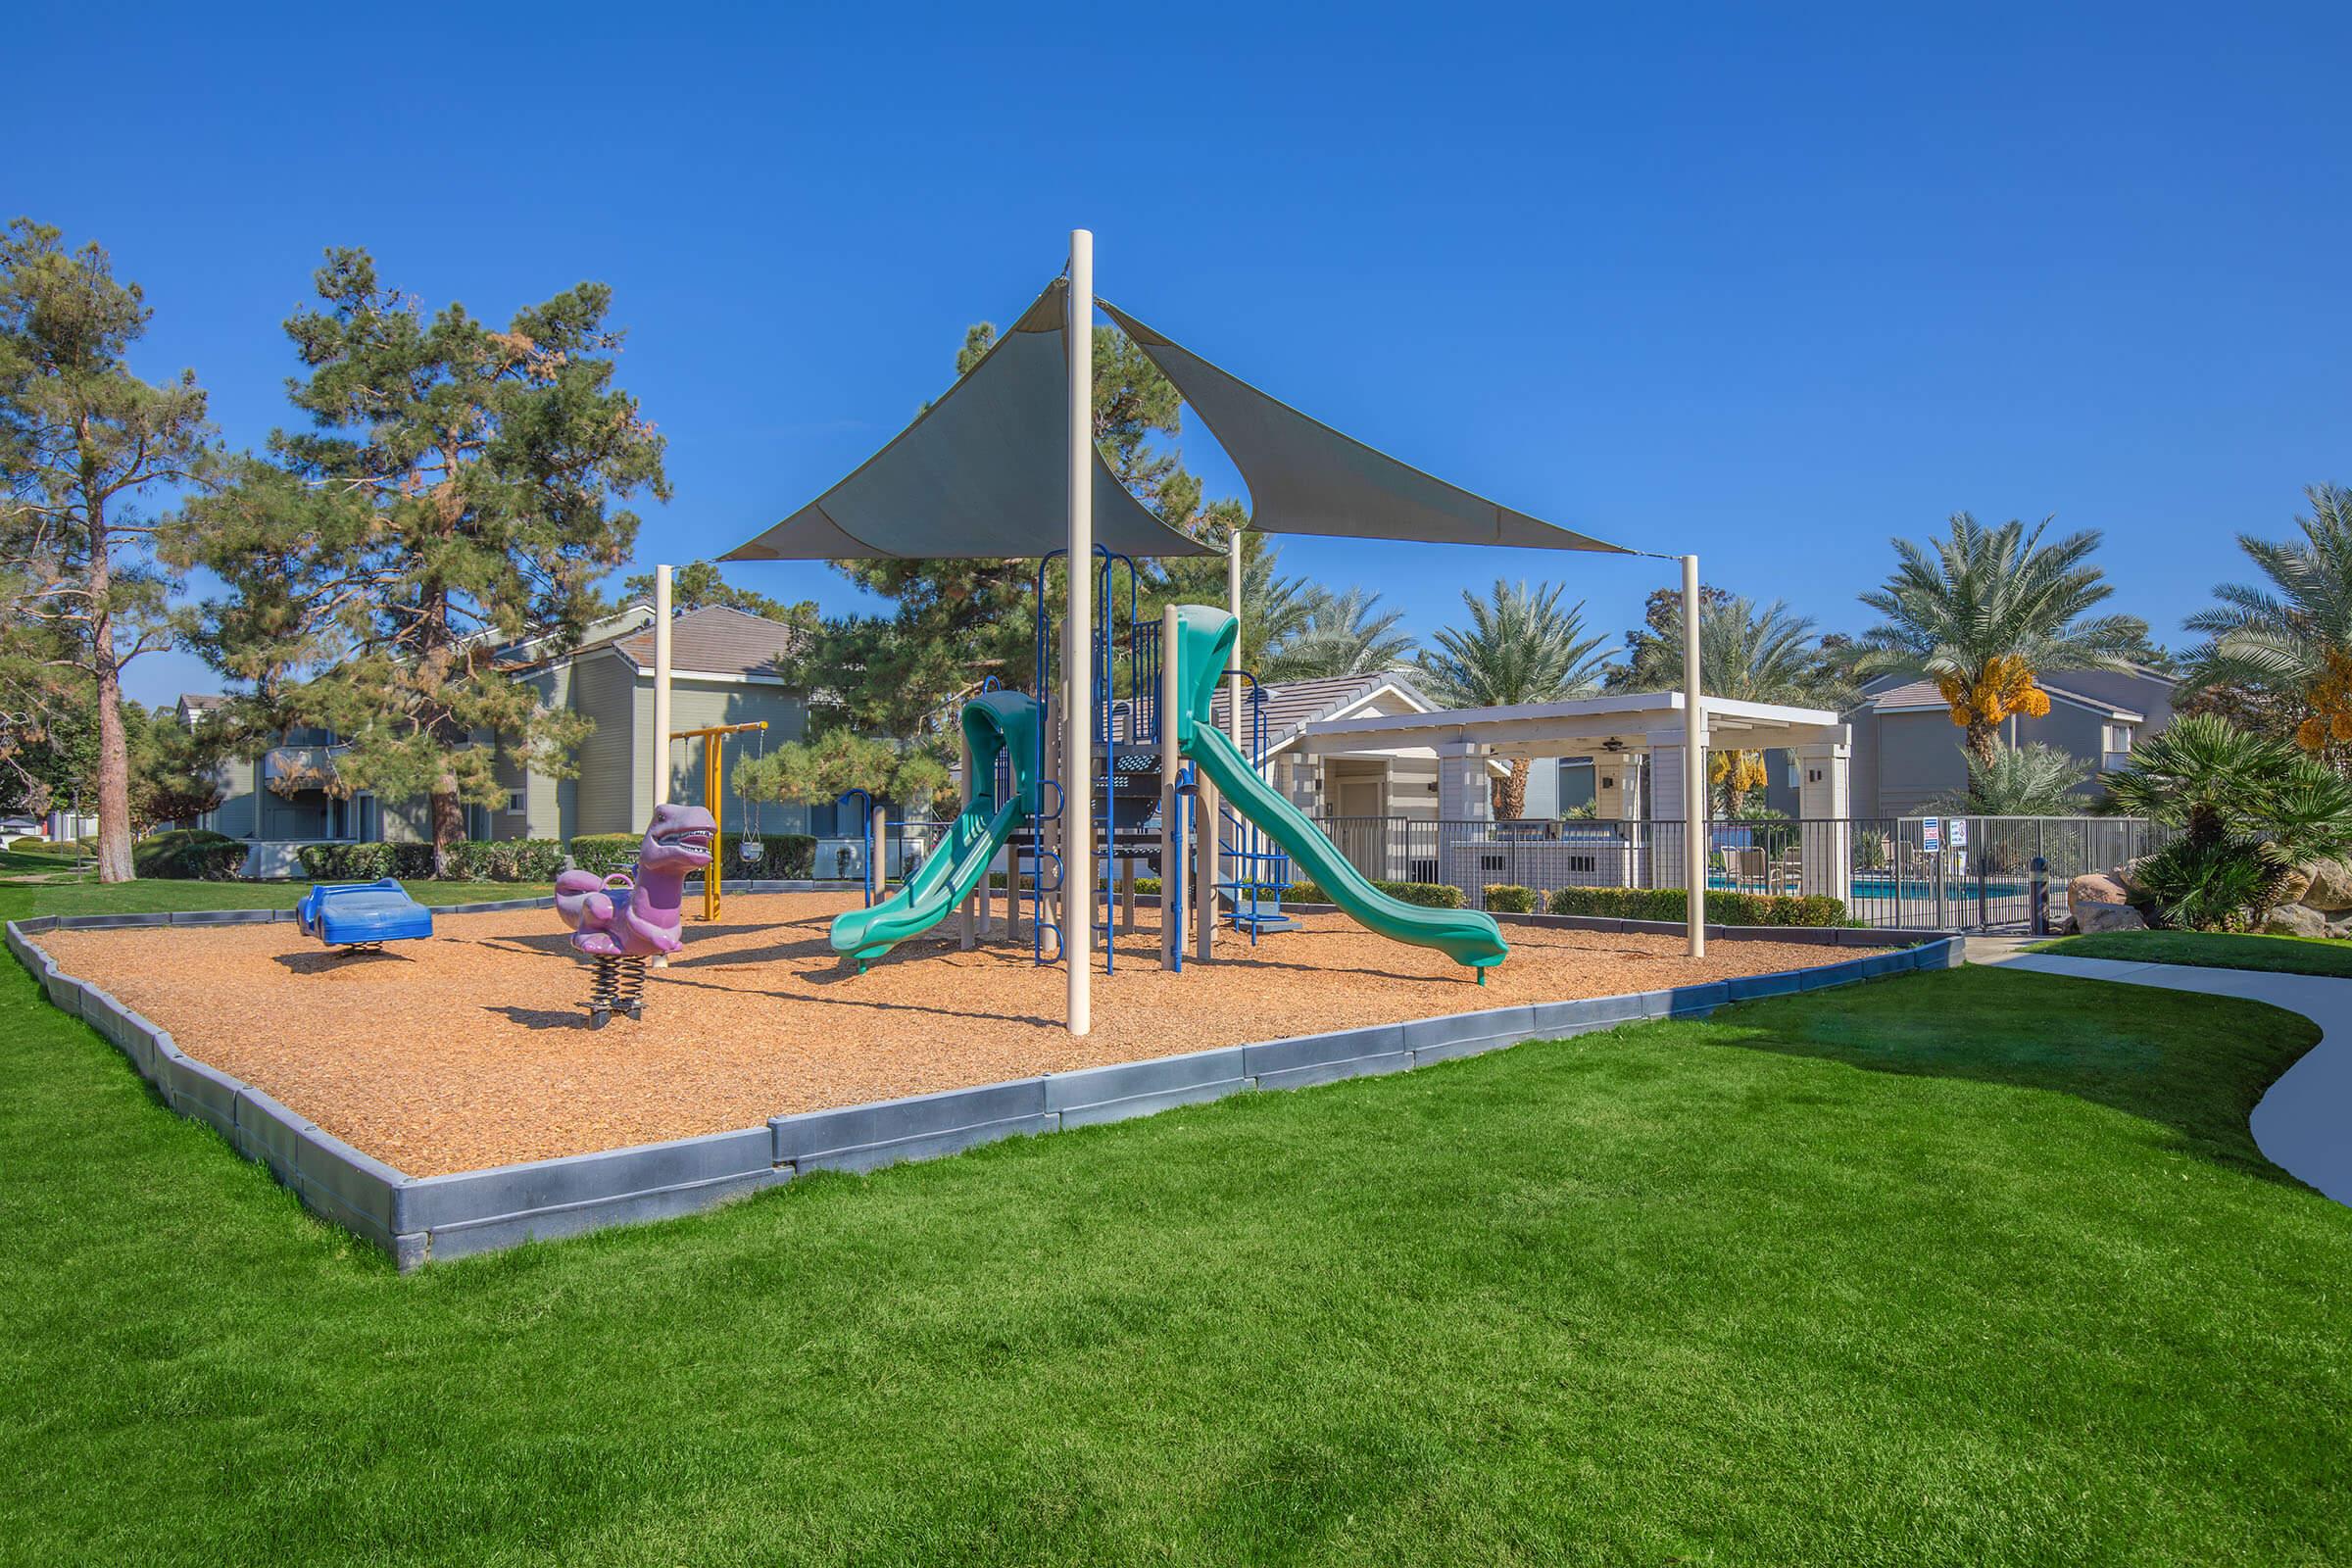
<point x="114" y="751"/>
<point x="1980" y="743"/>
<point x="1510" y="793"/>
<point x="448" y="818"/>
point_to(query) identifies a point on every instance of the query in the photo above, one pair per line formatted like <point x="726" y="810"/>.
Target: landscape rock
<point x="2097" y="887"/>
<point x="2294" y="920"/>
<point x="2329" y="885"/>
<point x="2294" y="884"/>
<point x="2093" y="915"/>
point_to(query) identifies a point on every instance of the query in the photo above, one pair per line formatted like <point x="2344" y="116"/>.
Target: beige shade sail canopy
<point x="980" y="474"/>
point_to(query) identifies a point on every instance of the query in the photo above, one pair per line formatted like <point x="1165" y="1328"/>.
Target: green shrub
<point x="1723" y="909"/>
<point x="506" y="860"/>
<point x="602" y="853"/>
<point x="784" y="858"/>
<point x="189" y="854"/>
<point x="366" y="862"/>
<point x="1504" y="898"/>
<point x="2208" y="886"/>
<point x="1427" y="895"/>
<point x="29" y="845"/>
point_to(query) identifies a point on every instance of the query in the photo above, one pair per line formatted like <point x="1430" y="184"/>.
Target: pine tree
<point x="452" y="497"/>
<point x="82" y="441"/>
<point x="955" y="624"/>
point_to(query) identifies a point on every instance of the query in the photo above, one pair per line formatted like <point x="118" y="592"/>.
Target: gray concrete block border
<point x="420" y="1219"/>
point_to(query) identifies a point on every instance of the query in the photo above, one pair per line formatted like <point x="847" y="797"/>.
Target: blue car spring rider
<point x="361" y="916"/>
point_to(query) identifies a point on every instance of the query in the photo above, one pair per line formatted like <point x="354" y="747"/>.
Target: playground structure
<point x="621" y="920"/>
<point x="965" y="481"/>
<point x="1216" y="812"/>
<point x="361" y="916"/>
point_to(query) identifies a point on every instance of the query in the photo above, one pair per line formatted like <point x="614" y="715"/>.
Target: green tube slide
<point x="992" y="723"/>
<point x="1204" y="648"/>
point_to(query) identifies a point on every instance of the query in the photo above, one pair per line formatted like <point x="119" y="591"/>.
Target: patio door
<point x="1363" y="826"/>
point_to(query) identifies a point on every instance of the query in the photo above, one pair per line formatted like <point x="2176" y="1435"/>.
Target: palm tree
<point x="1757" y="655"/>
<point x="1343" y="636"/>
<point x="2291" y="642"/>
<point x="2249" y="809"/>
<point x="1520" y="646"/>
<point x="1988" y="611"/>
<point x="1274" y="608"/>
<point x="2031" y="780"/>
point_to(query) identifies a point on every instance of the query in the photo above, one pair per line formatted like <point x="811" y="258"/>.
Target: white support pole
<point x="1694" y="771"/>
<point x="1232" y="603"/>
<point x="1233" y="682"/>
<point x="1078" y="644"/>
<point x="661" y="687"/>
<point x="1172" y="835"/>
<point x="968" y="931"/>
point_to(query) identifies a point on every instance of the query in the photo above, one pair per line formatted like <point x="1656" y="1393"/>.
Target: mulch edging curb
<point x="417" y="1219"/>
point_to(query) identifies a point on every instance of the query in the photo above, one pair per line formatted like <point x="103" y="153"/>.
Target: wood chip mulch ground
<point x="469" y="1049"/>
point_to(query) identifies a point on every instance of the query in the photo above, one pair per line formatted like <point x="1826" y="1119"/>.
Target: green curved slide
<point x="1204" y="647"/>
<point x="992" y="723"/>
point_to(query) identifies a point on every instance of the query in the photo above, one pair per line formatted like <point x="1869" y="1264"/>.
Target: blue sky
<point x="1768" y="284"/>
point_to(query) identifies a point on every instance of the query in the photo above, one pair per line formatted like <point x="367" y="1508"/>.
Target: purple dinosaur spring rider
<point x="625" y="918"/>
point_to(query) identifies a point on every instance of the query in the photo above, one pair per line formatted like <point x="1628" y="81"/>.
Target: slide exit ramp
<point x="1203" y="651"/>
<point x="993" y="722"/>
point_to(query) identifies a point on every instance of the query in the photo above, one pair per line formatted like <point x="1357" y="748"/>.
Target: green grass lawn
<point x="88" y="895"/>
<point x="2213" y="948"/>
<point x="1972" y="1268"/>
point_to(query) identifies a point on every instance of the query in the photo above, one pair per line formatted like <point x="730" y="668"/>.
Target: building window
<point x="515" y="803"/>
<point x="2116" y="748"/>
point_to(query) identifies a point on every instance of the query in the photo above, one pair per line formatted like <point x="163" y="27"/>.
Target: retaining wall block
<point x="1095" y="1094"/>
<point x="64" y="992"/>
<point x="1304" y="1059"/>
<point x="1749" y="987"/>
<point x="862" y="1137"/>
<point x="355" y="1190"/>
<point x="207" y="1093"/>
<point x="431" y="1202"/>
<point x="1467" y="1034"/>
<point x="223" y="916"/>
<point x="1554" y="1020"/>
<point x="1684" y="1001"/>
<point x="268" y="1132"/>
<point x="138" y="1043"/>
<point x="466" y="1239"/>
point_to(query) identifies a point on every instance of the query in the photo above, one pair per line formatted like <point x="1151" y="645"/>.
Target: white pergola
<point x="1619" y="731"/>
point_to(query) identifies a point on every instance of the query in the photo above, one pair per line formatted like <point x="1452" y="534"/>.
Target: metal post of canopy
<point x="1078" y="634"/>
<point x="1694" y="771"/>
<point x="661" y="687"/>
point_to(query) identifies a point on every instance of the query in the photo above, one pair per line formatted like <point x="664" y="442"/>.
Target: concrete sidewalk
<point x="2304" y="1123"/>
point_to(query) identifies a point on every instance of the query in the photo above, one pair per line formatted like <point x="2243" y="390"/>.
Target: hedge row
<point x="189" y="854"/>
<point x="784" y="856"/>
<point x="1667" y="904"/>
<point x="469" y="861"/>
<point x="1506" y="898"/>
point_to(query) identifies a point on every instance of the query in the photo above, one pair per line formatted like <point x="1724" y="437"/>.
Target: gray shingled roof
<point x="714" y="639"/>
<point x="1292" y="704"/>
<point x="1922" y="694"/>
<point x="201" y="700"/>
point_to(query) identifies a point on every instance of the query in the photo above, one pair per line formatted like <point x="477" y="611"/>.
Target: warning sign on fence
<point x="1931" y="834"/>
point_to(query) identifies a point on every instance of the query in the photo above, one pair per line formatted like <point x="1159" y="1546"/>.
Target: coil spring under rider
<point x="617" y="986"/>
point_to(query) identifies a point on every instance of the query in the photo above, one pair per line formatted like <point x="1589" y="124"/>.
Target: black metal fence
<point x="1946" y="873"/>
